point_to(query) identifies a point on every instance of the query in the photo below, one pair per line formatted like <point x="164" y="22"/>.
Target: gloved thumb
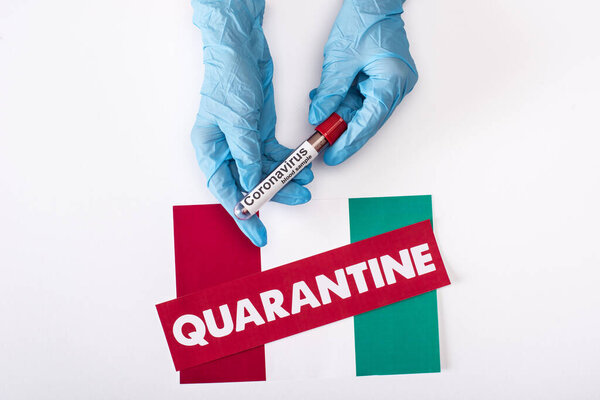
<point x="332" y="90"/>
<point x="380" y="99"/>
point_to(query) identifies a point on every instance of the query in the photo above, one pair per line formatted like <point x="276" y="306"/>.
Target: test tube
<point x="325" y="134"/>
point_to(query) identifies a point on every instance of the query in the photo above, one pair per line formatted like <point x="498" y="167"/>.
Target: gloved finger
<point x="275" y="151"/>
<point x="224" y="187"/>
<point x="245" y="147"/>
<point x="303" y="177"/>
<point x="352" y="102"/>
<point x="380" y="100"/>
<point x="292" y="194"/>
<point x="209" y="144"/>
<point x="331" y="92"/>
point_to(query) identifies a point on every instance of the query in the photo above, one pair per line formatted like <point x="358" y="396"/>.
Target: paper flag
<point x="328" y="351"/>
<point x="241" y="314"/>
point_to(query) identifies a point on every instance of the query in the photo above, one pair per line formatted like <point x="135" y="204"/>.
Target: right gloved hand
<point x="234" y="133"/>
<point x="367" y="53"/>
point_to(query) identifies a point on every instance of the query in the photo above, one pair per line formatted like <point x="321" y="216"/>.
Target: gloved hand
<point x="234" y="133"/>
<point x="367" y="49"/>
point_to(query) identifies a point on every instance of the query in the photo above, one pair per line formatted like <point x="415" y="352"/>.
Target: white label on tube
<point x="281" y="175"/>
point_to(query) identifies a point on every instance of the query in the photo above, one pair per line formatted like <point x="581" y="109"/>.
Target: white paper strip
<point x="318" y="226"/>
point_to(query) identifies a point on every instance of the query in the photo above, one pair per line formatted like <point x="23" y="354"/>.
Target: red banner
<point x="263" y="307"/>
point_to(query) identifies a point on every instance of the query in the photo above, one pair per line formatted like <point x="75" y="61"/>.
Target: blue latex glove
<point x="367" y="49"/>
<point x="234" y="133"/>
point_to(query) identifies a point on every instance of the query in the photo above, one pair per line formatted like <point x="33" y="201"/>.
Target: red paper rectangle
<point x="209" y="250"/>
<point x="284" y="278"/>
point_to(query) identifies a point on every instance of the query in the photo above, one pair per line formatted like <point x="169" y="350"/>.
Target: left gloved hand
<point x="367" y="50"/>
<point x="234" y="132"/>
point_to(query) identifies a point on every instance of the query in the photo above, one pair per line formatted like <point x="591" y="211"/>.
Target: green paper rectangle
<point x="401" y="338"/>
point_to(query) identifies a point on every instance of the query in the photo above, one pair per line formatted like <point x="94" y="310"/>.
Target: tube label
<point x="281" y="175"/>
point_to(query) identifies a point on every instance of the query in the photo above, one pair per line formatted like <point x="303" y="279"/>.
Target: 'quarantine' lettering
<point x="196" y="330"/>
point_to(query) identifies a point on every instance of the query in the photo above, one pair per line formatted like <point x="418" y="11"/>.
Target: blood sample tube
<point x="325" y="134"/>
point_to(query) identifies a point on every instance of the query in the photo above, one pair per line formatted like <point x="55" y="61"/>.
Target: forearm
<point x="377" y="7"/>
<point x="227" y="20"/>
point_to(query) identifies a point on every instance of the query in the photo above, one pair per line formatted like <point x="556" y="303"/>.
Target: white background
<point x="97" y="100"/>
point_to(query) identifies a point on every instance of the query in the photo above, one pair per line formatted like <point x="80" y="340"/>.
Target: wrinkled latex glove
<point x="367" y="50"/>
<point x="234" y="133"/>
